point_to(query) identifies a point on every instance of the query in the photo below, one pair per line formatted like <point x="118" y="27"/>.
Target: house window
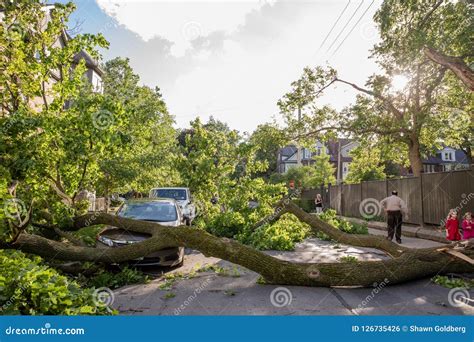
<point x="449" y="156"/>
<point x="345" y="169"/>
<point x="427" y="168"/>
<point x="96" y="82"/>
<point x="306" y="153"/>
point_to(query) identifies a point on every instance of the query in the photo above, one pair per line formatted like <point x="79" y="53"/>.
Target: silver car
<point x="164" y="211"/>
<point x="182" y="196"/>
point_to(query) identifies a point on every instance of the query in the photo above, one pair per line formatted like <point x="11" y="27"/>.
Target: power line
<point x="333" y="26"/>
<point x="353" y="27"/>
<point x="347" y="23"/>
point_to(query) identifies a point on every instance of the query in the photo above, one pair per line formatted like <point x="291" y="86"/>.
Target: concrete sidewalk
<point x="433" y="234"/>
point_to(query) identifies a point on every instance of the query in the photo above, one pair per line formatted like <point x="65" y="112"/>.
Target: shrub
<point x="28" y="287"/>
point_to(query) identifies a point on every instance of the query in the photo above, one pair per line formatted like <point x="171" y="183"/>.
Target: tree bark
<point x="406" y="264"/>
<point x="455" y="64"/>
<point x="415" y="158"/>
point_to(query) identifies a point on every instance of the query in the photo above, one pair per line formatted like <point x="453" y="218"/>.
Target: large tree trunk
<point x="455" y="64"/>
<point x="406" y="264"/>
<point x="414" y="157"/>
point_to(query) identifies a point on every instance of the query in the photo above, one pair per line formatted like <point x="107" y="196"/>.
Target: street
<point x="236" y="292"/>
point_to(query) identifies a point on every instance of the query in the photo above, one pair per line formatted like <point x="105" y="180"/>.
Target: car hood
<point x="118" y="234"/>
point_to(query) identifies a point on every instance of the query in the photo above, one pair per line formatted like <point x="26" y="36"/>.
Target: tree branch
<point x="455" y="64"/>
<point x="388" y="104"/>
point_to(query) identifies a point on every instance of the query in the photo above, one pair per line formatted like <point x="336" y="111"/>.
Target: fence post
<point x="422" y="210"/>
<point x="328" y="192"/>
<point x="341" y="199"/>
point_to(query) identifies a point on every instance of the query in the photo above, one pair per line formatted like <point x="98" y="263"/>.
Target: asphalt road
<point x="236" y="291"/>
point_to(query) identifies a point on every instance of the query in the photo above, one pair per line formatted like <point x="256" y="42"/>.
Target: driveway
<point x="227" y="289"/>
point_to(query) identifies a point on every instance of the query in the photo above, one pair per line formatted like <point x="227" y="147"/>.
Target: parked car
<point x="182" y="196"/>
<point x="164" y="211"/>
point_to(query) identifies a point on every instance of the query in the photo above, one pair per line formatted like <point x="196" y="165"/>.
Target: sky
<point x="233" y="60"/>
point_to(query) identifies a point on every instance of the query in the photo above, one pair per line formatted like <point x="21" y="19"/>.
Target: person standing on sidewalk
<point x="318" y="203"/>
<point x="395" y="208"/>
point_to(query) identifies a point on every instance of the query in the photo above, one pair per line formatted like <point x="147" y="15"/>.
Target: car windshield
<point x="150" y="211"/>
<point x="177" y="194"/>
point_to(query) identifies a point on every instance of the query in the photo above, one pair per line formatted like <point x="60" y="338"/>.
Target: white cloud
<point x="247" y="53"/>
<point x="179" y="21"/>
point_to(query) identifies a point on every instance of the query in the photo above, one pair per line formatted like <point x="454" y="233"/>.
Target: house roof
<point x="459" y="157"/>
<point x="288" y="151"/>
<point x="332" y="146"/>
<point x="91" y="63"/>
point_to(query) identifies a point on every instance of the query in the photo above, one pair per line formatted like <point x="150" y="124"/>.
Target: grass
<point x="348" y="258"/>
<point x="169" y="295"/>
<point x="221" y="271"/>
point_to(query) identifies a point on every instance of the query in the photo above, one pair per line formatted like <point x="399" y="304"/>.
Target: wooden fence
<point x="429" y="197"/>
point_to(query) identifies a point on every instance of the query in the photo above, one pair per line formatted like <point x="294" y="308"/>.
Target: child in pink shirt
<point x="468" y="226"/>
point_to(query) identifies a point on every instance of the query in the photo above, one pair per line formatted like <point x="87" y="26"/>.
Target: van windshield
<point x="177" y="194"/>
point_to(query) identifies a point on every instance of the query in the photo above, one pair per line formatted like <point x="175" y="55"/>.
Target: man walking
<point x="395" y="207"/>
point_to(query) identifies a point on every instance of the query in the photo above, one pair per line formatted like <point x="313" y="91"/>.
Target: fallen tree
<point x="403" y="265"/>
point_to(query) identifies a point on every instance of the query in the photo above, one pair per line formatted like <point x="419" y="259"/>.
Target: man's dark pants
<point x="394" y="222"/>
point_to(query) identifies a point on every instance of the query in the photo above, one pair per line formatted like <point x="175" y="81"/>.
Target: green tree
<point x="408" y="115"/>
<point x="148" y="156"/>
<point x="38" y="76"/>
<point x="324" y="170"/>
<point x="367" y="164"/>
<point x="321" y="172"/>
<point x="268" y="139"/>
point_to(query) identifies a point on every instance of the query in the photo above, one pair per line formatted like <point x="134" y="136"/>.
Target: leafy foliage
<point x="452" y="283"/>
<point x="29" y="287"/>
<point x="313" y="176"/>
<point x="330" y="217"/>
<point x="112" y="280"/>
<point x="281" y="235"/>
<point x="367" y="164"/>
